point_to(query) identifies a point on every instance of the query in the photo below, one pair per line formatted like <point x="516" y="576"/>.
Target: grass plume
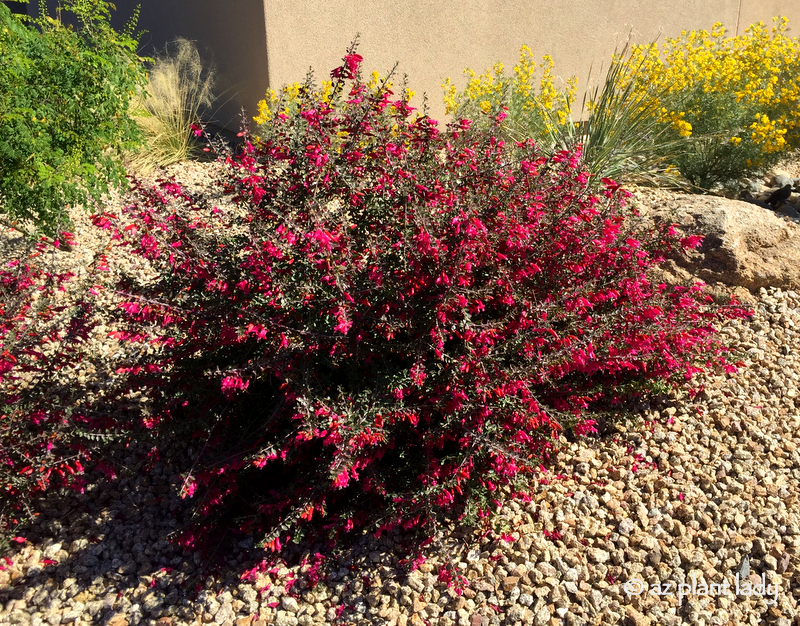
<point x="179" y="88"/>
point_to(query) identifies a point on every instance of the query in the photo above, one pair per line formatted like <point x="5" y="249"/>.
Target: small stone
<point x="744" y="567"/>
<point x="284" y="618"/>
<point x="510" y="582"/>
<point x="626" y="526"/>
<point x="783" y="563"/>
<point x="598" y="556"/>
<point x="517" y="613"/>
<point x="68" y="617"/>
<point x="547" y="569"/>
<point x="290" y="604"/>
<point x="542" y="616"/>
<point x="526" y="599"/>
<point x="415" y="581"/>
<point x="635" y="618"/>
<point x="225" y="614"/>
<point x="52" y="550"/>
<point x="117" y="620"/>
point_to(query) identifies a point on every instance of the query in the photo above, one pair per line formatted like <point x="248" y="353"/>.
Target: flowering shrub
<point x="392" y="320"/>
<point x="733" y="98"/>
<point x="39" y="340"/>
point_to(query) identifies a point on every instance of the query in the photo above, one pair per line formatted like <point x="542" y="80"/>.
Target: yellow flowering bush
<point x="617" y="137"/>
<point x="535" y="106"/>
<point x="734" y="99"/>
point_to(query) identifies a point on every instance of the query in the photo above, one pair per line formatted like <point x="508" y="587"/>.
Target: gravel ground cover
<point x="689" y="516"/>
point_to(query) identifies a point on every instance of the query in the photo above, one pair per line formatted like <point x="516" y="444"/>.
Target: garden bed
<point x="700" y="483"/>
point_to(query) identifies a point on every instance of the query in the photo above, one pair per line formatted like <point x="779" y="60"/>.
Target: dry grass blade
<point x="178" y="90"/>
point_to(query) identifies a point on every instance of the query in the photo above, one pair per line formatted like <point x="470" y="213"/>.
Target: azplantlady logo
<point x="744" y="587"/>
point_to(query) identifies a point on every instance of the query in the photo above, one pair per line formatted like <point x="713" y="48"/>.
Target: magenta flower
<point x="349" y="69"/>
<point x="230" y="384"/>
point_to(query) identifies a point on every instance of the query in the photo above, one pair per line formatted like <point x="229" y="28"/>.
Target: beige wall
<point x="434" y="40"/>
<point x="260" y="43"/>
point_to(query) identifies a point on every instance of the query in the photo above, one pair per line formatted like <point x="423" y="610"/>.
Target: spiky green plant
<point x="178" y="90"/>
<point x="620" y="135"/>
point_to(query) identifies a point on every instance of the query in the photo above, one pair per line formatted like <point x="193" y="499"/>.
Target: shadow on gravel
<point x="109" y="556"/>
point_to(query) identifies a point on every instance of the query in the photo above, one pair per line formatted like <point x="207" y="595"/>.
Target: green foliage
<point x="619" y="136"/>
<point x="64" y="95"/>
<point x="177" y="90"/>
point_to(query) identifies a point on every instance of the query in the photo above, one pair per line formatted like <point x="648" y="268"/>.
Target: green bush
<point x="64" y="96"/>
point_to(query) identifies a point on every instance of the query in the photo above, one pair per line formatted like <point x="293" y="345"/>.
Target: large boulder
<point x="745" y="245"/>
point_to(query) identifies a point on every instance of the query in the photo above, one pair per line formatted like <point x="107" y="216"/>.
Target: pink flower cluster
<point x="38" y="338"/>
<point x="397" y="318"/>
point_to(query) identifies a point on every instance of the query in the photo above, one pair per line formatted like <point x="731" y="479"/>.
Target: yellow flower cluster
<point x="751" y="76"/>
<point x="289" y="97"/>
<point x="675" y="118"/>
<point x="486" y="89"/>
<point x="519" y="90"/>
<point x="766" y="132"/>
<point x="265" y="107"/>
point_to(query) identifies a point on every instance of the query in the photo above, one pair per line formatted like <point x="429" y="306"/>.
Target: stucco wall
<point x="260" y="43"/>
<point x="437" y="40"/>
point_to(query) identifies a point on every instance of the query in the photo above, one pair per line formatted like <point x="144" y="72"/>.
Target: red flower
<point x="350" y="67"/>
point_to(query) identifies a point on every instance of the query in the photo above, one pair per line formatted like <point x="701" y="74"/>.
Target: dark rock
<point x="779" y="195"/>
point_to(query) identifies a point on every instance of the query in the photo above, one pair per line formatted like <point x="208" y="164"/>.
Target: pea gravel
<point x="703" y="488"/>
